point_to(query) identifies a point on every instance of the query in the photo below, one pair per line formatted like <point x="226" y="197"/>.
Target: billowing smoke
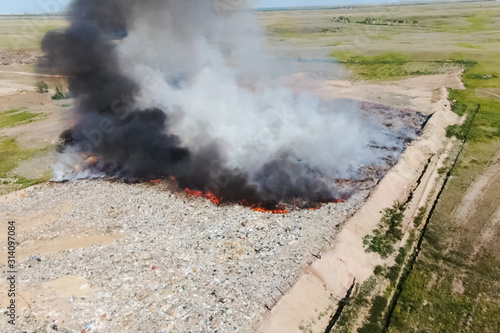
<point x="176" y="88"/>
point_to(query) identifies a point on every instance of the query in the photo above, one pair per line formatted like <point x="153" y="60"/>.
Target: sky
<point x="33" y="6"/>
<point x="45" y="6"/>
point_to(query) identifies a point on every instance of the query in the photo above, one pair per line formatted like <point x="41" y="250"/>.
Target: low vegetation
<point x="387" y="21"/>
<point x="396" y="65"/>
<point x="11" y="154"/>
<point x="387" y="233"/>
<point x="374" y="322"/>
<point x="358" y="301"/>
<point x="374" y="297"/>
<point x="16" y="117"/>
<point x="61" y="93"/>
<point x="27" y="182"/>
<point x="42" y="87"/>
<point x="419" y="219"/>
<point x="342" y="19"/>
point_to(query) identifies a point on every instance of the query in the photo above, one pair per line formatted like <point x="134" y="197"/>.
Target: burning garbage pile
<point x="178" y="91"/>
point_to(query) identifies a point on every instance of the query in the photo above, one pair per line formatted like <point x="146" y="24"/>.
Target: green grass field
<point x="11" y="154"/>
<point x="26" y="32"/>
<point x="16" y="117"/>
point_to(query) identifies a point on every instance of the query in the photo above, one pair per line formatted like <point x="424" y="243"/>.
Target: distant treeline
<point x="381" y="21"/>
<point x="280" y="9"/>
<point x="25" y="15"/>
<point x="409" y="3"/>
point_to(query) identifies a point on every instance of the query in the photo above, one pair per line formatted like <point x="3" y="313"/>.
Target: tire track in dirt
<point x="477" y="190"/>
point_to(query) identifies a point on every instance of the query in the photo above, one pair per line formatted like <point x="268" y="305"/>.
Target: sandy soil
<point x="19" y="91"/>
<point x="418" y="93"/>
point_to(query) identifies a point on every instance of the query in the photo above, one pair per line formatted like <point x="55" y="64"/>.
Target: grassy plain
<point x="16" y="117"/>
<point x="454" y="284"/>
<point x="11" y="155"/>
<point x="26" y="31"/>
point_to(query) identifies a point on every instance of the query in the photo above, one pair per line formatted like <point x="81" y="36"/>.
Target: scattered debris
<point x="221" y="264"/>
<point x="17" y="57"/>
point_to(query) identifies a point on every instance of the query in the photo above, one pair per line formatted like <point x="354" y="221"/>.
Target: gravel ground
<point x="184" y="265"/>
<point x="17" y="57"/>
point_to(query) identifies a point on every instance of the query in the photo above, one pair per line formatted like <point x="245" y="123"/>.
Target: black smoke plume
<point x="133" y="140"/>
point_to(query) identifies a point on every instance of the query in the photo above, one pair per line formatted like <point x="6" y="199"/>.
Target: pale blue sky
<point x="44" y="6"/>
<point x="32" y="6"/>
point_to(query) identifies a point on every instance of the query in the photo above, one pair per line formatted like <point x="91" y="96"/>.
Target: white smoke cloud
<point x="211" y="77"/>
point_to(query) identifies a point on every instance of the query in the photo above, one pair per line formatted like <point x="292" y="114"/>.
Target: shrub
<point x="389" y="231"/>
<point x="379" y="270"/>
<point x="42" y="87"/>
<point x="417" y="222"/>
<point x="61" y="93"/>
<point x="393" y="274"/>
<point x="456" y="131"/>
<point x="400" y="259"/>
<point x="372" y="325"/>
<point x="379" y="244"/>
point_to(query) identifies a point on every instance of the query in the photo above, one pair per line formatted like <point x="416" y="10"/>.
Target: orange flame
<point x="199" y="194"/>
<point x="213" y="198"/>
<point x="276" y="211"/>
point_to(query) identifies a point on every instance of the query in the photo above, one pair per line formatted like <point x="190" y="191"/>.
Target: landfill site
<point x="103" y="255"/>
